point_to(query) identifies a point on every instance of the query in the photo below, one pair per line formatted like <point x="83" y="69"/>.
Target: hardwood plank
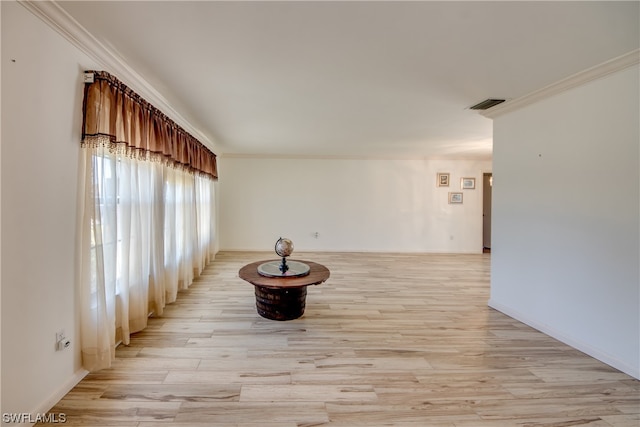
<point x="174" y="392"/>
<point x="307" y="393"/>
<point x="301" y="413"/>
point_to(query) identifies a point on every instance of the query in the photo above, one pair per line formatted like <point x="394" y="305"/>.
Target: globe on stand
<point x="284" y="248"/>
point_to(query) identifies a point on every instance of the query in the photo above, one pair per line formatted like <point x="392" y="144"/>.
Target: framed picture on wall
<point x="468" y="183"/>
<point x="443" y="179"/>
<point x="455" y="198"/>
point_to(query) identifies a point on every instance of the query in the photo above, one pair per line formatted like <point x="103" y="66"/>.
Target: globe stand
<point x="284" y="267"/>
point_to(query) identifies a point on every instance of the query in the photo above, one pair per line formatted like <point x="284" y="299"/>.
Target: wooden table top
<point x="318" y="273"/>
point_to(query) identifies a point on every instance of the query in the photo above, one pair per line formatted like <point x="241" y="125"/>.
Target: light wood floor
<point x="402" y="340"/>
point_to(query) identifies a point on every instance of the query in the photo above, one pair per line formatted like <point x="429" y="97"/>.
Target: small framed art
<point x="455" y="198"/>
<point x="443" y="179"/>
<point x="468" y="183"/>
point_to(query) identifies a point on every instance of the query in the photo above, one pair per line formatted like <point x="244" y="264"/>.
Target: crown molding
<point x="578" y="79"/>
<point x="64" y="24"/>
<point x="275" y="156"/>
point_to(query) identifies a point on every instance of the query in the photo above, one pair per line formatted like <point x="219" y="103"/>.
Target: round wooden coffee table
<point x="282" y="298"/>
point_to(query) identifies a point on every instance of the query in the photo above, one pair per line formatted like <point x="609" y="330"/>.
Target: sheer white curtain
<point x="147" y="230"/>
<point x="147" y="225"/>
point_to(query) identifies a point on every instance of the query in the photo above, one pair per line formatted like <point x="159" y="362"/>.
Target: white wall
<point x="354" y="205"/>
<point x="565" y="255"/>
<point x="41" y="129"/>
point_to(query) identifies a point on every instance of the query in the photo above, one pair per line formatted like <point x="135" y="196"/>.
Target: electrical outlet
<point x="62" y="344"/>
<point x="62" y="341"/>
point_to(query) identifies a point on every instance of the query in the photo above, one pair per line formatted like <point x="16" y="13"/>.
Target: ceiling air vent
<point x="486" y="104"/>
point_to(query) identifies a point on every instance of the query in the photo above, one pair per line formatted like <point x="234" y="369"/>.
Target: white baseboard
<point x="359" y="251"/>
<point x="50" y="402"/>
<point x="598" y="354"/>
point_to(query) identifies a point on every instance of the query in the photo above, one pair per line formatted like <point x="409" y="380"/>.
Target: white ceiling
<point x="379" y="79"/>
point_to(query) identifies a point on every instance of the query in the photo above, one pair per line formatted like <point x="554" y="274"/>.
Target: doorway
<point x="487" y="184"/>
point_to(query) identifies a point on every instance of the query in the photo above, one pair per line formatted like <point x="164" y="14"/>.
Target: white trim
<point x="301" y="254"/>
<point x="578" y="79"/>
<point x="598" y="354"/>
<point x="60" y="21"/>
<point x="49" y="403"/>
<point x="481" y="158"/>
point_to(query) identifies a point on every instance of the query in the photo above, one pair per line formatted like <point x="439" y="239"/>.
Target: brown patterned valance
<point x="115" y="114"/>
